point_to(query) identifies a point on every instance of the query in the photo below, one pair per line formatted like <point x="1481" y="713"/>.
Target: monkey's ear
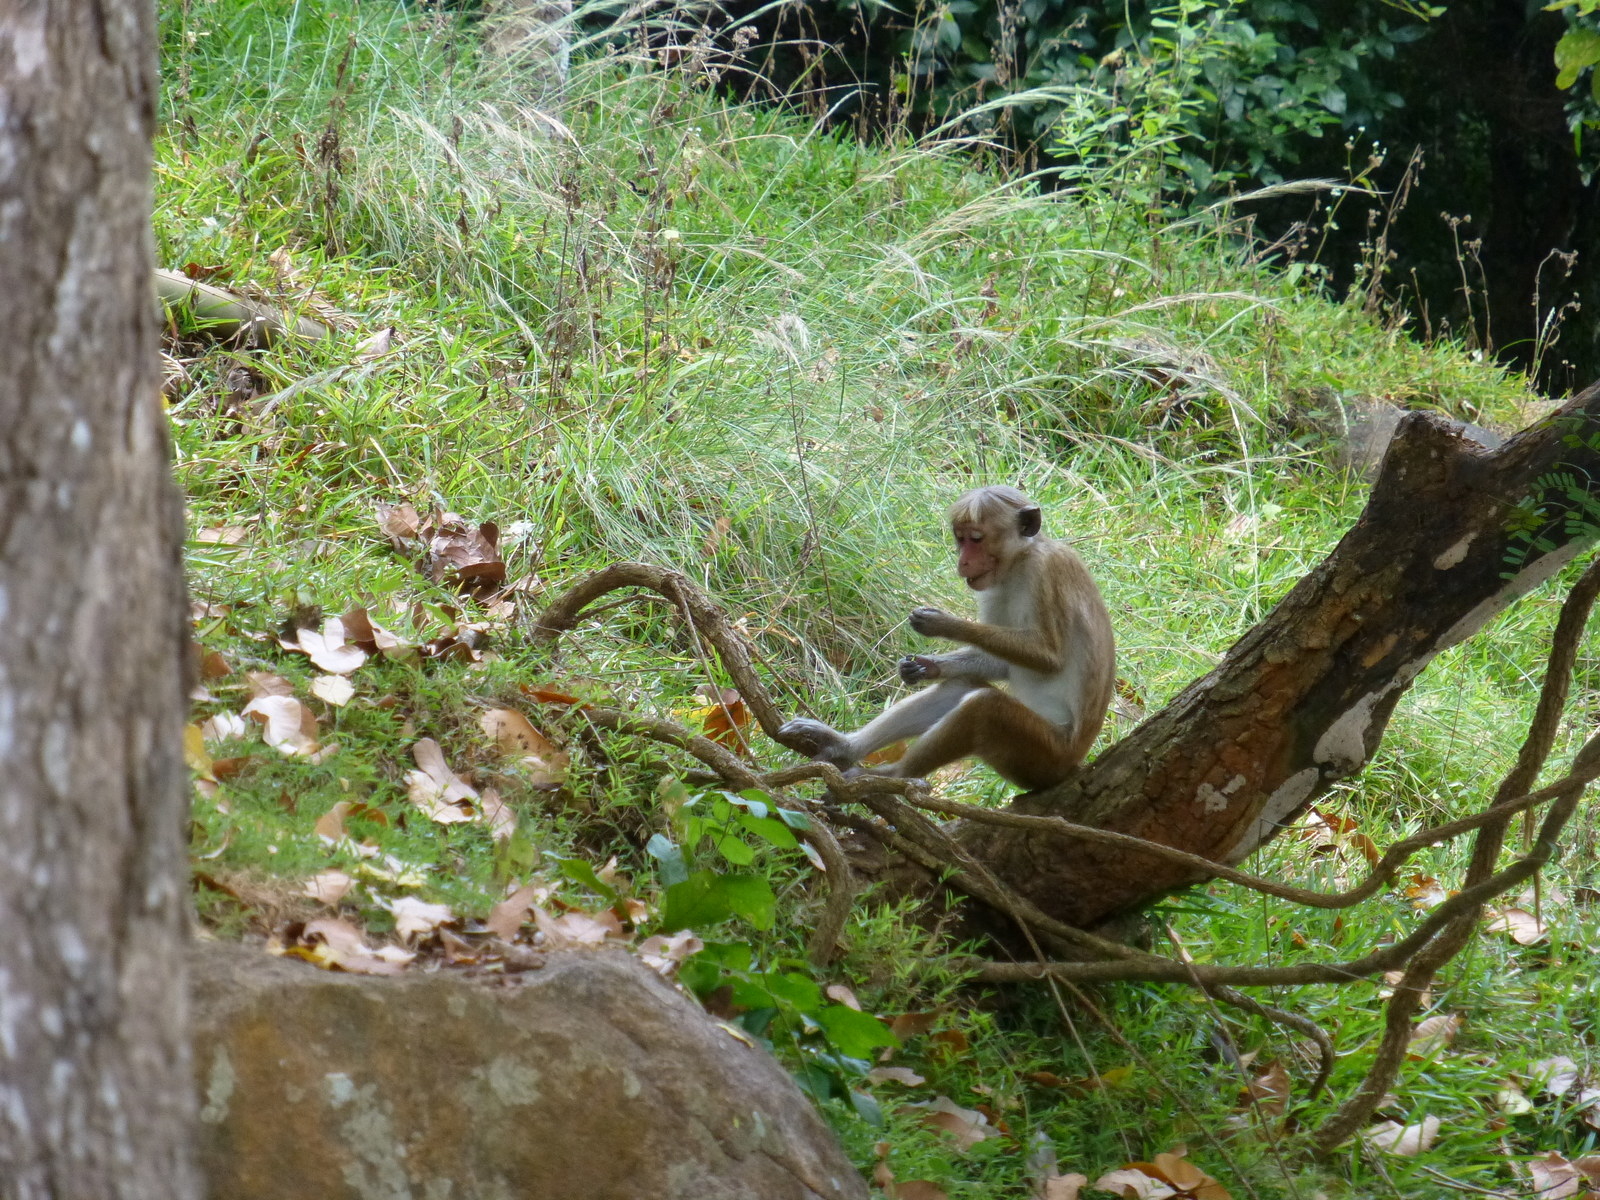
<point x="1029" y="520"/>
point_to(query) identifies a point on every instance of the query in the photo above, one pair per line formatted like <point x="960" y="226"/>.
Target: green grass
<point x="712" y="335"/>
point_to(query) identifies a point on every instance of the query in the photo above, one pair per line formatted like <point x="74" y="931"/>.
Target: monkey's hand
<point x="935" y="622"/>
<point x="919" y="668"/>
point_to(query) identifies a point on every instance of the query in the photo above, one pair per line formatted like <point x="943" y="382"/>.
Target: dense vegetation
<point x="1455" y="113"/>
<point x="657" y="324"/>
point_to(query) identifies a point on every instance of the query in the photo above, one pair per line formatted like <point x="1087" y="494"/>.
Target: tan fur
<point x="1043" y="630"/>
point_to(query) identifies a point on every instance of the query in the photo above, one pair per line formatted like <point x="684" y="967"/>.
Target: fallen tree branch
<point x="702" y="614"/>
<point x="231" y="316"/>
<point x="1535" y="751"/>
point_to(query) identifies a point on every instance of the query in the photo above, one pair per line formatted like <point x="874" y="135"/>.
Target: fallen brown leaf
<point x="400" y="524"/>
<point x="328" y="887"/>
<point x="1556" y="1076"/>
<point x="417" y="918"/>
<point x="1434" y="1034"/>
<point x="964" y="1126"/>
<point x="507" y="917"/>
<point x="1269" y="1090"/>
<point x="904" y="1076"/>
<point x="1133" y="1184"/>
<point x="463" y="555"/>
<point x="363" y="631"/>
<point x="331" y="823"/>
<point x="892" y="753"/>
<point x="546" y="694"/>
<point x="286" y="725"/>
<point x="329" y="650"/>
<point x="334" y="944"/>
<point x="664" y="955"/>
<point x="514" y="735"/>
<point x="716" y="536"/>
<point x="576" y="930"/>
<point x="499" y="816"/>
<point x="1062" y="1187"/>
<point x="213" y="666"/>
<point x="436" y="789"/>
<point x="333" y="689"/>
<point x="1525" y="928"/>
<point x="1407" y="1141"/>
<point x="223" y="727"/>
<point x="839" y="994"/>
<point x="265" y="683"/>
<point x="1555" y="1177"/>
<point x="222" y="535"/>
<point x="911" y="1024"/>
<point x="725" y="719"/>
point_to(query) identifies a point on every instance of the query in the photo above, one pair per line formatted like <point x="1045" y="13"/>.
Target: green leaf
<point x="706" y="898"/>
<point x="696" y="902"/>
<point x="517" y="855"/>
<point x="673" y="795"/>
<point x="794" y="989"/>
<point x="867" y="1108"/>
<point x="734" y="849"/>
<point x="1577" y="50"/>
<point x="752" y="800"/>
<point x="673" y="867"/>
<point x="580" y="871"/>
<point x="854" y="1034"/>
<point x="751" y="897"/>
<point x="794" y="819"/>
<point x="768" y="830"/>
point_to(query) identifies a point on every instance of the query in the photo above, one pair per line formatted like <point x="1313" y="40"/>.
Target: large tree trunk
<point x="95" y="1084"/>
<point x="1452" y="534"/>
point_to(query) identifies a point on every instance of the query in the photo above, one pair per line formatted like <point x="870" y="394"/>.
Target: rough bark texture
<point x="588" y="1079"/>
<point x="95" y="1088"/>
<point x="1451" y="535"/>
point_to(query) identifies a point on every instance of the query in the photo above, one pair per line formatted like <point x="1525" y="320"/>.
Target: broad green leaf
<point x="673" y="867"/>
<point x="852" y="1033"/>
<point x="751" y="897"/>
<point x="794" y="989"/>
<point x="867" y="1107"/>
<point x="580" y="871"/>
<point x="706" y="898"/>
<point x="1578" y="49"/>
<point x="768" y="830"/>
<point x="733" y="848"/>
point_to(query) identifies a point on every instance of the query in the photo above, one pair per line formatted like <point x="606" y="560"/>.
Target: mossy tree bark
<point x="95" y="1089"/>
<point x="1451" y="535"/>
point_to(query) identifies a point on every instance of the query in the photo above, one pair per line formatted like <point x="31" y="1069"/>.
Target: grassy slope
<point x="715" y="336"/>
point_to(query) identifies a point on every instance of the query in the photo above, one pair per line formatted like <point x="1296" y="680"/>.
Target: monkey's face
<point x="976" y="561"/>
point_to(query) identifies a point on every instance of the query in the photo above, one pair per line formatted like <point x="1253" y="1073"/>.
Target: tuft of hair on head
<point x="996" y="504"/>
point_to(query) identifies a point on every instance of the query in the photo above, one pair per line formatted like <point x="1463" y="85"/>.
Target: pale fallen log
<point x="228" y="315"/>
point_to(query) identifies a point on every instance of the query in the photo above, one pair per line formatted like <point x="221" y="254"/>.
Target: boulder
<point x="590" y="1079"/>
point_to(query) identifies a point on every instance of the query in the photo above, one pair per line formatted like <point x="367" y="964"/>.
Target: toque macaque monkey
<point x="1042" y="629"/>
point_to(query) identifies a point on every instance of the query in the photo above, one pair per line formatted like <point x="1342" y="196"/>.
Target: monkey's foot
<point x="817" y="741"/>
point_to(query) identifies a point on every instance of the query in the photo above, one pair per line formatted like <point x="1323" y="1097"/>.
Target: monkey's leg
<point x="909" y="718"/>
<point x="1021" y="746"/>
<point x="819" y="741"/>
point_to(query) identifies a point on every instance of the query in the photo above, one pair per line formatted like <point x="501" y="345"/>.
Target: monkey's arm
<point x="1041" y="650"/>
<point x="972" y="665"/>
